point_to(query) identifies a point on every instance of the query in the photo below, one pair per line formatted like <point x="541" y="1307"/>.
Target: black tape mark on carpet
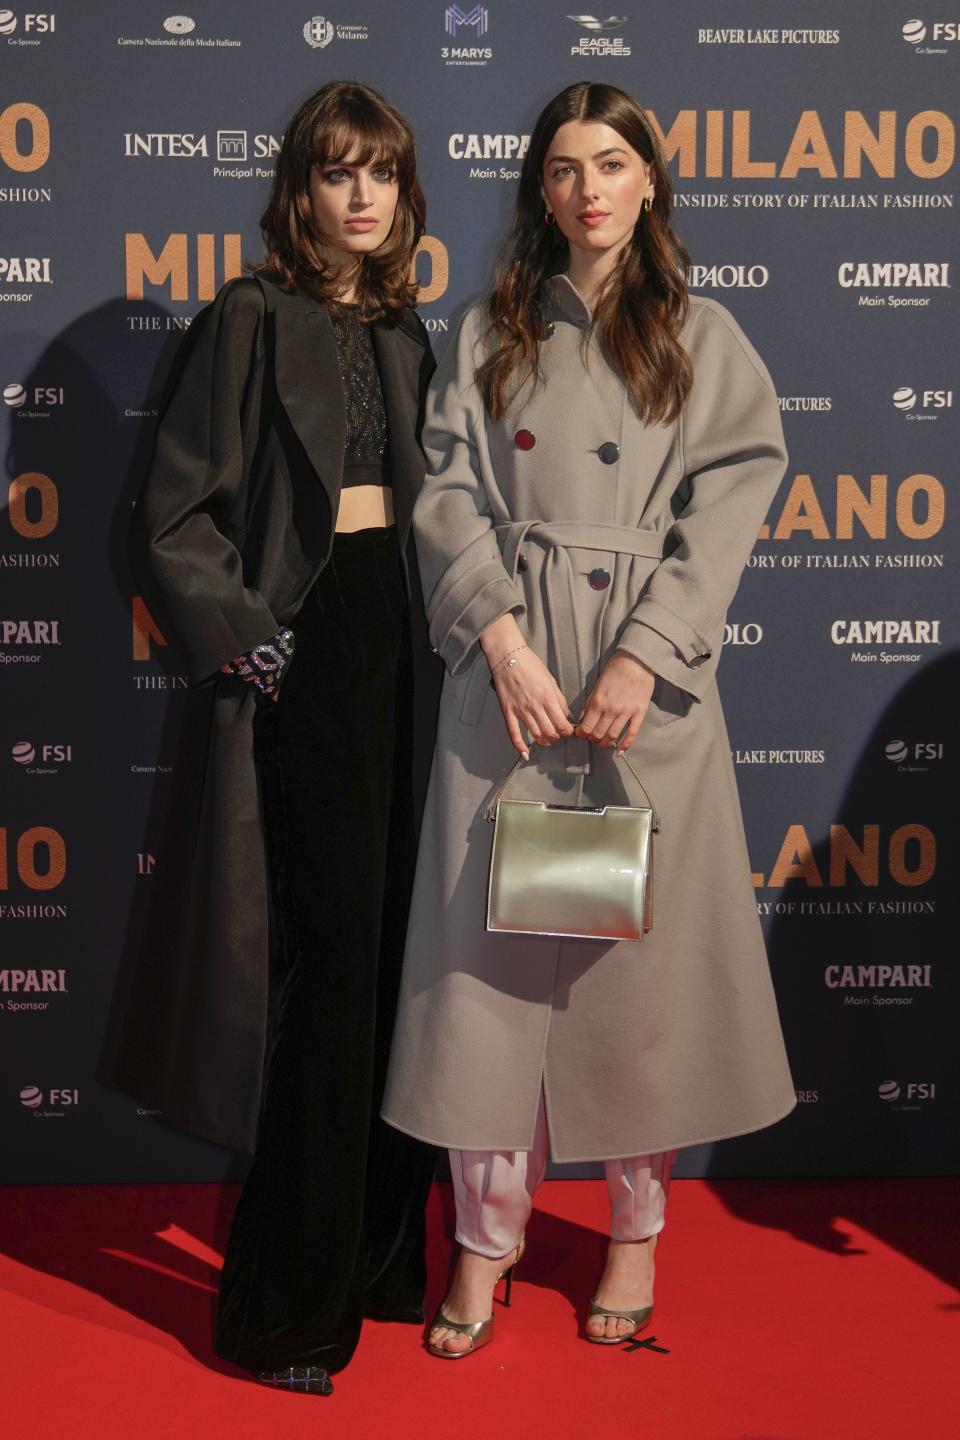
<point x="647" y="1344"/>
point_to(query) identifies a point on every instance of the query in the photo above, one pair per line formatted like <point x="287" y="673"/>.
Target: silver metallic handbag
<point x="583" y="872"/>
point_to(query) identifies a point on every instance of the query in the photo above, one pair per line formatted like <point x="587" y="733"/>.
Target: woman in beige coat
<point x="602" y="449"/>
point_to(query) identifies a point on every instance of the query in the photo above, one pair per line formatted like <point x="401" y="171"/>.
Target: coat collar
<point x="564" y="298"/>
<point x="400" y="356"/>
<point x="307" y="374"/>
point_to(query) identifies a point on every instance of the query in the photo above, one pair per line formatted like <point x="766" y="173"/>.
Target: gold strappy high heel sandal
<point x="479" y="1332"/>
<point x="637" y="1318"/>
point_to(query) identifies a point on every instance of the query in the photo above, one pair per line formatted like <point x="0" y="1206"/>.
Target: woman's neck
<point x="587" y="270"/>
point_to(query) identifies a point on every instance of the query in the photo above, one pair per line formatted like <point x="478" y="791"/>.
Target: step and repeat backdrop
<point x="813" y="146"/>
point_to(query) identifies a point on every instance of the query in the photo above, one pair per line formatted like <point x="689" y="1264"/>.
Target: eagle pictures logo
<point x="599" y="43"/>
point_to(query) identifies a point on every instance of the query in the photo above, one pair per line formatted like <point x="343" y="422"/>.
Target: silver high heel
<point x="637" y="1318"/>
<point x="478" y="1332"/>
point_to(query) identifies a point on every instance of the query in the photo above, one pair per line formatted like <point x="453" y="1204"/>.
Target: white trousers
<point x="494" y="1190"/>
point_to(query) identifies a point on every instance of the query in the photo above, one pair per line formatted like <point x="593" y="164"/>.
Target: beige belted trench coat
<point x="597" y="531"/>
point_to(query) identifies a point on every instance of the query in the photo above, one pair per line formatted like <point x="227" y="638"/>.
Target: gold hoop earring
<point x="549" y="218"/>
<point x="648" y="203"/>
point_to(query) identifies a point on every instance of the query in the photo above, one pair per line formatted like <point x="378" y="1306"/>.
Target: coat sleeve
<point x="192" y="485"/>
<point x="464" y="581"/>
<point x="733" y="460"/>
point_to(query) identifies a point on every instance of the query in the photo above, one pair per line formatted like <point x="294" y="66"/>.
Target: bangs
<point x="348" y="140"/>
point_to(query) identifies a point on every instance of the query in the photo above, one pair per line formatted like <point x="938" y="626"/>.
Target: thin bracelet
<point x="508" y="660"/>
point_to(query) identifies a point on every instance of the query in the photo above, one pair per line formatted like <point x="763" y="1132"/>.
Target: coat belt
<point x="558" y="538"/>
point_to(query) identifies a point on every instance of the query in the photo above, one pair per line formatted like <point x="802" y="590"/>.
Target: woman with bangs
<point x="602" y="449"/>
<point x="274" y="527"/>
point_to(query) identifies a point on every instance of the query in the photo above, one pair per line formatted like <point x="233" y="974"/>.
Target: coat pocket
<point x="474" y="687"/>
<point x="667" y="703"/>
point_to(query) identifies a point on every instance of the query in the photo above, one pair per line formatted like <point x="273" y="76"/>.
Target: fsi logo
<point x="51" y="757"/>
<point x="32" y="25"/>
<point x="921" y="404"/>
<point x="941" y="31"/>
<point x="899" y="751"/>
<point x="476" y="19"/>
<point x="913" y="1091"/>
<point x="32" y="1098"/>
<point x="38" y="401"/>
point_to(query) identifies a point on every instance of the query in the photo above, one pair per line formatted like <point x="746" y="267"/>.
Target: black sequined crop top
<point x="365" y="458"/>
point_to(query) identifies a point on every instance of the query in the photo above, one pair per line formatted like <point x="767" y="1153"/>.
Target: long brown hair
<point x="344" y="120"/>
<point x="642" y="304"/>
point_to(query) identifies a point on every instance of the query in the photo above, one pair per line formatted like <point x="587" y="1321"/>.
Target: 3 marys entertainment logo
<point x="458" y="22"/>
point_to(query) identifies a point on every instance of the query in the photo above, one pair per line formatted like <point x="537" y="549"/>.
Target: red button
<point x="524" y="439"/>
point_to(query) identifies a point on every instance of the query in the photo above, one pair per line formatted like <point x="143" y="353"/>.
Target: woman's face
<point x="353" y="205"/>
<point x="595" y="184"/>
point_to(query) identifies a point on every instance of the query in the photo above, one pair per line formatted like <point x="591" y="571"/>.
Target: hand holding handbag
<point x="578" y="872"/>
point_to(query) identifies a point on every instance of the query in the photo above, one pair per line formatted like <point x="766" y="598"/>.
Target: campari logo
<point x="900" y="633"/>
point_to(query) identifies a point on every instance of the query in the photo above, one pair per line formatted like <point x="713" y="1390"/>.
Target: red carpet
<point x="800" y="1310"/>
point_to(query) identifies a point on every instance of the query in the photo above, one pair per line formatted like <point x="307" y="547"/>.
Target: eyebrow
<point x="611" y="150"/>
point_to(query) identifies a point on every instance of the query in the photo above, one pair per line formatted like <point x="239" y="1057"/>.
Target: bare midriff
<point x="365" y="507"/>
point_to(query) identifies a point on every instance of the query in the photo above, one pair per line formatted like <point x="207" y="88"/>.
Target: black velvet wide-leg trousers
<point x="329" y="1226"/>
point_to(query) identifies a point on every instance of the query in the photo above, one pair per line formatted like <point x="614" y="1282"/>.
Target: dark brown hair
<point x="341" y="121"/>
<point x="643" y="303"/>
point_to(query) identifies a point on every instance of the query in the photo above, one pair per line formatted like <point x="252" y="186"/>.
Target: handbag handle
<point x="505" y="782"/>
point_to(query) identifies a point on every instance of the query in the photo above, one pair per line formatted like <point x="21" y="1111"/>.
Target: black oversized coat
<point x="233" y="525"/>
